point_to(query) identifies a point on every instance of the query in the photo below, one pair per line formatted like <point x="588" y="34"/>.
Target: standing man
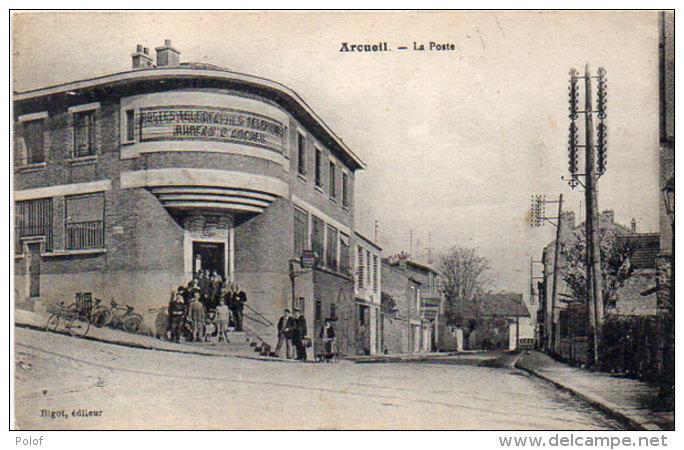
<point x="299" y="332"/>
<point x="196" y="316"/>
<point x="176" y="315"/>
<point x="285" y="325"/>
<point x="240" y="298"/>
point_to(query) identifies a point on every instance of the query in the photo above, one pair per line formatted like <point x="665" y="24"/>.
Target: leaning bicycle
<point x="74" y="318"/>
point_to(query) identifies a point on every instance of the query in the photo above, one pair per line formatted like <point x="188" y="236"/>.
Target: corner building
<point x="127" y="184"/>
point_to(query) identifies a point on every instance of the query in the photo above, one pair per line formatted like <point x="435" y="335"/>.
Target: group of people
<point x="292" y="332"/>
<point x="207" y="298"/>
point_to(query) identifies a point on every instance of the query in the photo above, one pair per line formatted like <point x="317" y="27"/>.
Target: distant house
<point x="411" y="290"/>
<point x="638" y="296"/>
<point x="492" y="322"/>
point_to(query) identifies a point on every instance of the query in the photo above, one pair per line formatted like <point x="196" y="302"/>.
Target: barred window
<point x="33" y="218"/>
<point x="301" y="231"/>
<point x="359" y="267"/>
<point x="84" y="133"/>
<point x="331" y="248"/>
<point x="317" y="244"/>
<point x="34" y="141"/>
<point x="84" y="221"/>
<point x="345" y="254"/>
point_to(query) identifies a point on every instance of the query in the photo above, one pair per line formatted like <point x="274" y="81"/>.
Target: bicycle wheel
<point x="101" y="317"/>
<point x="78" y="326"/>
<point x="53" y="323"/>
<point x="132" y="323"/>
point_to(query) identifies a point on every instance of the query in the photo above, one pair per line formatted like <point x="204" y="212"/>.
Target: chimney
<point x="167" y="55"/>
<point x="141" y="58"/>
<point x="633" y="225"/>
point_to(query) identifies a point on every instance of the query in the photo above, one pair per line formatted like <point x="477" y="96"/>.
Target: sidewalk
<point x="625" y="399"/>
<point x="28" y="319"/>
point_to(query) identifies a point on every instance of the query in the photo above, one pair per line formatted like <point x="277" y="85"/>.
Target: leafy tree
<point x="615" y="267"/>
<point x="465" y="279"/>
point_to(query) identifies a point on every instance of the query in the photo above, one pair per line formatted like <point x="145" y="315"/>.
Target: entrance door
<point x="34" y="269"/>
<point x="208" y="256"/>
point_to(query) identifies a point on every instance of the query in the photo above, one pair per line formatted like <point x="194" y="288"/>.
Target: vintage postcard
<point x="342" y="220"/>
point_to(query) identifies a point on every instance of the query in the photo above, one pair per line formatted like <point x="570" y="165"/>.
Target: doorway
<point x="209" y="256"/>
<point x="34" y="269"/>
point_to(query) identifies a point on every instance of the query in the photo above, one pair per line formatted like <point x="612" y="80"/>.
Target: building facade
<point x="411" y="306"/>
<point x="129" y="184"/>
<point x="367" y="293"/>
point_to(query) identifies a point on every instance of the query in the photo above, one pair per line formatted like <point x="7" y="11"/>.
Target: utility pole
<point x="593" y="168"/>
<point x="538" y="218"/>
<point x="555" y="332"/>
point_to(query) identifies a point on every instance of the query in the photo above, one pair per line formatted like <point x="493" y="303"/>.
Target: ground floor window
<point x="33" y="218"/>
<point x="84" y="221"/>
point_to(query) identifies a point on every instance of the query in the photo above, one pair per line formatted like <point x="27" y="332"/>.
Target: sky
<point x="455" y="141"/>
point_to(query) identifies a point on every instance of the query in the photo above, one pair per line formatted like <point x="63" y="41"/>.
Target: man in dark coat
<point x="176" y="316"/>
<point x="238" y="304"/>
<point x="285" y="325"/>
<point x="298" y="333"/>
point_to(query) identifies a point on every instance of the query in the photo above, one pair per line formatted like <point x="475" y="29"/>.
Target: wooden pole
<point x="593" y="250"/>
<point x="556" y="269"/>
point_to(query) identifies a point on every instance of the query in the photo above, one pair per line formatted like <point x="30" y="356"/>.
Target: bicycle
<point x="127" y="320"/>
<point x="100" y="314"/>
<point x="76" y="316"/>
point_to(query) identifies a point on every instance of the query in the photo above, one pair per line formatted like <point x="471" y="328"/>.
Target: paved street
<point x="143" y="389"/>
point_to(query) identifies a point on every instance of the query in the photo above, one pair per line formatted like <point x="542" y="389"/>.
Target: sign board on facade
<point x="308" y="259"/>
<point x="204" y="123"/>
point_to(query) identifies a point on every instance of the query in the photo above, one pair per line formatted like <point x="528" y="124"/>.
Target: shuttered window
<point x="345" y="254"/>
<point x="331" y="248"/>
<point x="317" y="244"/>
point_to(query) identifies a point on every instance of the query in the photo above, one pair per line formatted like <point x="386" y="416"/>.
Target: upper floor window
<point x="375" y="273"/>
<point x="317" y="168"/>
<point x="301" y="231"/>
<point x="359" y="267"/>
<point x="301" y="154"/>
<point x="33" y="218"/>
<point x="84" y="133"/>
<point x="345" y="254"/>
<point x="345" y="189"/>
<point x="331" y="248"/>
<point x="130" y="125"/>
<point x="34" y="141"/>
<point x="317" y="232"/>
<point x="84" y="221"/>
<point x="333" y="191"/>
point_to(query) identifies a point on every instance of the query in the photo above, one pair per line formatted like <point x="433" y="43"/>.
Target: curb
<point x="603" y="405"/>
<point x="128" y="343"/>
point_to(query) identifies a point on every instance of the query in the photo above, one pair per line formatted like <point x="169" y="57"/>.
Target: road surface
<point x="68" y="383"/>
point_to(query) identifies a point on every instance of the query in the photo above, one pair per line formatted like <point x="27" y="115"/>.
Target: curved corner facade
<point x="127" y="185"/>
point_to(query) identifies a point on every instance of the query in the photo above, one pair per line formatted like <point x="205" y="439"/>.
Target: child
<point x="222" y="319"/>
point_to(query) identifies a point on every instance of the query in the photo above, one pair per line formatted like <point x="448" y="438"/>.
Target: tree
<point x="615" y="267"/>
<point x="465" y="279"/>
